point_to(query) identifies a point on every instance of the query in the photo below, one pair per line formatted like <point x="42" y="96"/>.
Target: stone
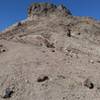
<point x="88" y="83"/>
<point x="42" y="78"/>
<point x="19" y="24"/>
<point x="69" y="33"/>
<point x="2" y="49"/>
<point x="8" y="93"/>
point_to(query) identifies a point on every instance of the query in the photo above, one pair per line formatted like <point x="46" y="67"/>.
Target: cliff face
<point x="52" y="55"/>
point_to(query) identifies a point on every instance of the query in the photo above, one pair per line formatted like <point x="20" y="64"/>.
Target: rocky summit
<point x="51" y="55"/>
<point x="47" y="9"/>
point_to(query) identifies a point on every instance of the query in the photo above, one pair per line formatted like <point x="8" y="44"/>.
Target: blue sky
<point x="12" y="11"/>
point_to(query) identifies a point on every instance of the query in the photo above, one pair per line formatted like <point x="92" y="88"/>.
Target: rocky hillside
<point x="51" y="55"/>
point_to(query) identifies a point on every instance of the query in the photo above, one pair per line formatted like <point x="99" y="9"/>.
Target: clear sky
<point x="12" y="11"/>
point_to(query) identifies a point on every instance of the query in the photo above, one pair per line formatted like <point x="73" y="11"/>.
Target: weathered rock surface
<point x="50" y="57"/>
<point x="47" y="9"/>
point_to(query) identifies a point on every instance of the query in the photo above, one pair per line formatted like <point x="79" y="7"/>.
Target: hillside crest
<point x="47" y="9"/>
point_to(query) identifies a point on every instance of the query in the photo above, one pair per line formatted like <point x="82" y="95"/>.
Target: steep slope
<point x="51" y="55"/>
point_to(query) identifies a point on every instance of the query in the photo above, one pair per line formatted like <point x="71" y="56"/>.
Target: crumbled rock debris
<point x="48" y="44"/>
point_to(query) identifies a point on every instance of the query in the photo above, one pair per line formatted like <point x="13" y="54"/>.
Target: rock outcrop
<point x="47" y="9"/>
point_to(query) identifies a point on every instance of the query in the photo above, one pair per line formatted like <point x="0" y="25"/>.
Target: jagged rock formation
<point x="51" y="55"/>
<point x="47" y="9"/>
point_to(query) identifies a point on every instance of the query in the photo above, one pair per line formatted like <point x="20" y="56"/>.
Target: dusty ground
<point x="51" y="58"/>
